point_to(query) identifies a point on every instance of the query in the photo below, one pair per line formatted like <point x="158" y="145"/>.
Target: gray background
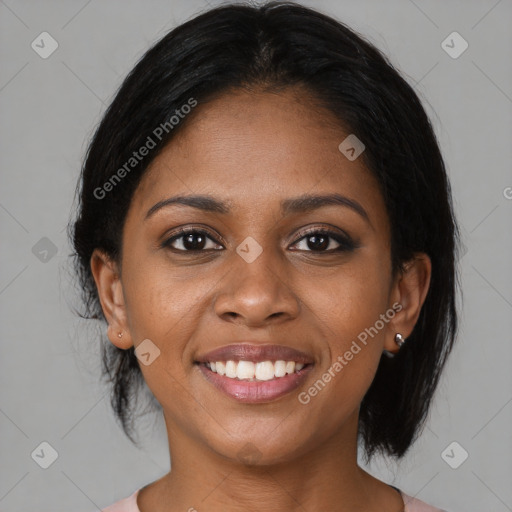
<point x="49" y="386"/>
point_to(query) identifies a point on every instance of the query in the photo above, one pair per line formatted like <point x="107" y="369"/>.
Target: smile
<point x="255" y="382"/>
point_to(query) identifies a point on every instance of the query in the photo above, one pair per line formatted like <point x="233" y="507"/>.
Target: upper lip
<point x="256" y="353"/>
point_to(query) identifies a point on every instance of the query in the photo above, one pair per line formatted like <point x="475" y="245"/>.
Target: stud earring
<point x="120" y="335"/>
<point x="399" y="339"/>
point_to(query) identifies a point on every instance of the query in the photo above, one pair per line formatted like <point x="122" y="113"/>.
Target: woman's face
<point x="261" y="274"/>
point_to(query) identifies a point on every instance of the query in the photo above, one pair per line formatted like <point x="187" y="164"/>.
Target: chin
<point x="262" y="450"/>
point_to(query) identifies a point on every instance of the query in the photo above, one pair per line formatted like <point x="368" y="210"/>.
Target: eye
<point x="322" y="240"/>
<point x="317" y="240"/>
<point x="190" y="240"/>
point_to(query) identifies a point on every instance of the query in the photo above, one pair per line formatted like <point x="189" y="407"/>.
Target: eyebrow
<point x="302" y="204"/>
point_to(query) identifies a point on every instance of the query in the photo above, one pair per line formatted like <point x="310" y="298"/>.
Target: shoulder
<point x="128" y="504"/>
<point x="415" y="505"/>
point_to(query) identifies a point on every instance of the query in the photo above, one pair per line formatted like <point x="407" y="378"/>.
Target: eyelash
<point x="345" y="243"/>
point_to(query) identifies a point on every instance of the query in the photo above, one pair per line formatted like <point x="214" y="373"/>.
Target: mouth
<point x="255" y="373"/>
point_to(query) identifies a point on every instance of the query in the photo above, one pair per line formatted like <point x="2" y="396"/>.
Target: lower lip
<point x="256" y="391"/>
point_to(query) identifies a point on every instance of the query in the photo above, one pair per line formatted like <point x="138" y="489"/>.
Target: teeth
<point x="249" y="370"/>
<point x="231" y="369"/>
<point x="245" y="370"/>
<point x="264" y="370"/>
<point x="221" y="368"/>
<point x="280" y="368"/>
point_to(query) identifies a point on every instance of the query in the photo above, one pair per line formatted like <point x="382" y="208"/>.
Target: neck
<point x="324" y="477"/>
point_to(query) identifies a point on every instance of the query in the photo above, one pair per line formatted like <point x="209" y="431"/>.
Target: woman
<point x="265" y="225"/>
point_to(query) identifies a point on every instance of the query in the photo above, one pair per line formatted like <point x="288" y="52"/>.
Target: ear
<point x="410" y="290"/>
<point x="110" y="291"/>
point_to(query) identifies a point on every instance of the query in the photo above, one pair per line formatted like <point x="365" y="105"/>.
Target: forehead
<point x="254" y="149"/>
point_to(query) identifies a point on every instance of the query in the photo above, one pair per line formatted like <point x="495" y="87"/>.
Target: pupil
<point x="319" y="242"/>
<point x="190" y="244"/>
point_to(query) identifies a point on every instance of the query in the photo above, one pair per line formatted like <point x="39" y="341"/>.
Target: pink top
<point x="130" y="505"/>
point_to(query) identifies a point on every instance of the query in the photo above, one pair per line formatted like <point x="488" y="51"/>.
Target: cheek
<point x="347" y="303"/>
<point x="348" y="310"/>
<point x="163" y="308"/>
<point x="166" y="305"/>
<point x="160" y="302"/>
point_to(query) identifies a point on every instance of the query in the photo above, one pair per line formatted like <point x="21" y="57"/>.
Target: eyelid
<point x="323" y="229"/>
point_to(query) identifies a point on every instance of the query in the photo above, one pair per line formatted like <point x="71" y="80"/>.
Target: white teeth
<point x="221" y="368"/>
<point x="249" y="370"/>
<point x="231" y="369"/>
<point x="280" y="368"/>
<point x="264" y="370"/>
<point x="290" y="366"/>
<point x="245" y="370"/>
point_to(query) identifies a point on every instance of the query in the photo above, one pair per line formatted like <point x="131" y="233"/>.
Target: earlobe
<point x="410" y="290"/>
<point x="110" y="292"/>
<point x="120" y="339"/>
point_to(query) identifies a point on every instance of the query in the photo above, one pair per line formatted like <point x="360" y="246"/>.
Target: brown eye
<point x="191" y="240"/>
<point x="324" y="241"/>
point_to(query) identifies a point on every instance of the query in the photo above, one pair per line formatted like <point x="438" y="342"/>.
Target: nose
<point x="256" y="293"/>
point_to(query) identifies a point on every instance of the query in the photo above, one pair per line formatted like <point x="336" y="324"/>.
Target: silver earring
<point x="399" y="339"/>
<point x="120" y="335"/>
